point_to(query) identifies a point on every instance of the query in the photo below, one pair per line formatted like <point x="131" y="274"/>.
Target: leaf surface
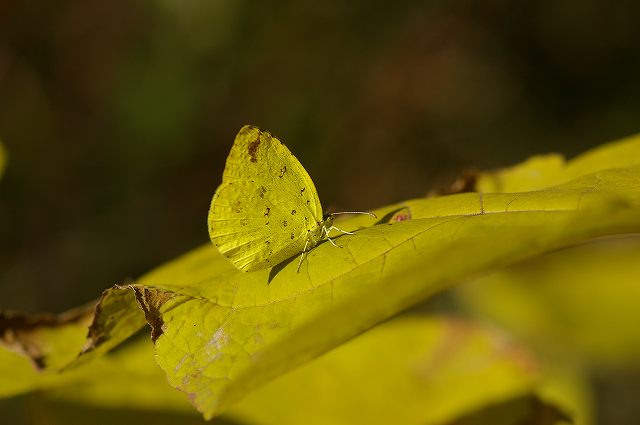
<point x="543" y="171"/>
<point x="412" y="362"/>
<point x="390" y="374"/>
<point x="220" y="333"/>
<point x="229" y="333"/>
<point x="551" y="301"/>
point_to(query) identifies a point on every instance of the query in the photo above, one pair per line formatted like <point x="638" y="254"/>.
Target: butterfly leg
<point x="304" y="251"/>
<point x="340" y="230"/>
<point x="326" y="232"/>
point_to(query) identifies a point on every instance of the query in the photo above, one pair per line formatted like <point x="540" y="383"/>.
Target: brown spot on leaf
<point x="293" y="212"/>
<point x="292" y="236"/>
<point x="401" y="217"/>
<point x="20" y="332"/>
<point x="150" y="301"/>
<point x="261" y="191"/>
<point x="397" y="216"/>
<point x="282" y="171"/>
<point x="284" y="223"/>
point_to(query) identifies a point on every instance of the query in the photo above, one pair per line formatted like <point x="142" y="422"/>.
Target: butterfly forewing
<point x="261" y="213"/>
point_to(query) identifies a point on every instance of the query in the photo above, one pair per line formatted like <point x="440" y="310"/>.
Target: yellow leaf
<point x="221" y="333"/>
<point x="549" y="170"/>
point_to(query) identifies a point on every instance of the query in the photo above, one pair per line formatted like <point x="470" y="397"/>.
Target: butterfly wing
<point x="261" y="213"/>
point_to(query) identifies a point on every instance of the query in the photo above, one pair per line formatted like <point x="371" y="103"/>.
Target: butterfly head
<point x="327" y="220"/>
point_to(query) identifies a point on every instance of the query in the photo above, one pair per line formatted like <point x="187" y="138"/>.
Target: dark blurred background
<point x="118" y="115"/>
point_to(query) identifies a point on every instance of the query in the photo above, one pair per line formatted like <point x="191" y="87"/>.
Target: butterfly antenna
<point x="355" y="212"/>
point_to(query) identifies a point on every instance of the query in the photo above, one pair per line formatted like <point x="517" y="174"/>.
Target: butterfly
<point x="266" y="209"/>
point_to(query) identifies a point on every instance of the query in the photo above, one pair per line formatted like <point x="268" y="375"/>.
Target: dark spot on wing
<point x="302" y="191"/>
<point x="253" y="148"/>
<point x="261" y="191"/>
<point x="267" y="242"/>
<point x="293" y="212"/>
<point x="308" y="202"/>
<point x="282" y="171"/>
<point x="284" y="223"/>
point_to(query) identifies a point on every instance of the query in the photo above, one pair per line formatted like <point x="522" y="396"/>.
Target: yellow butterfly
<point x="267" y="208"/>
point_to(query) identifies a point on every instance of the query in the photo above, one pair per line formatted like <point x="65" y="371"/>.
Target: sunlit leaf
<point x="387" y="375"/>
<point x="127" y="378"/>
<point x="413" y="370"/>
<point x="580" y="303"/>
<point x="33" y="349"/>
<point x="543" y="171"/>
<point x="220" y="333"/>
<point x="223" y="335"/>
